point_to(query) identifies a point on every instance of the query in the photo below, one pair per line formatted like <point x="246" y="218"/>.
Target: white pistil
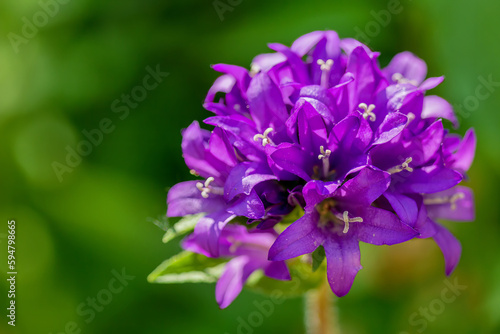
<point x="445" y="200"/>
<point x="254" y="69"/>
<point x="411" y="117"/>
<point x="264" y="137"/>
<point x="368" y="111"/>
<point x="324" y="156"/>
<point x="206" y="189"/>
<point x="347" y="220"/>
<point x="326" y="67"/>
<point x="402" y="167"/>
<point x="400" y="79"/>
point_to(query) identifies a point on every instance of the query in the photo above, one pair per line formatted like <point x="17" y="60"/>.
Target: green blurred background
<point x="63" y="78"/>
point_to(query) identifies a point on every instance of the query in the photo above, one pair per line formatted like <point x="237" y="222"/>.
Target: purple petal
<point x="238" y="240"/>
<point x="266" y="103"/>
<point x="207" y="231"/>
<point x="280" y="173"/>
<point x="344" y="133"/>
<point x="343" y="263"/>
<point x="239" y="73"/>
<point x="240" y="133"/>
<point x="381" y="227"/>
<point x="455" y="204"/>
<point x="315" y="192"/>
<point x="427" y="229"/>
<point x="405" y="207"/>
<point x="462" y="159"/>
<point x="408" y="65"/>
<point x="327" y="48"/>
<point x="431" y="83"/>
<point x="293" y="159"/>
<point x="229" y="285"/>
<point x="194" y="146"/>
<point x="305" y="43"/>
<point x="322" y="101"/>
<point x="249" y="206"/>
<point x="311" y="128"/>
<point x="238" y="125"/>
<point x="450" y="247"/>
<point x="364" y="136"/>
<point x="277" y="270"/>
<point x="265" y="61"/>
<point x="435" y="106"/>
<point x="451" y="142"/>
<point x="426" y="144"/>
<point x="412" y="104"/>
<point x="221" y="149"/>
<point x="190" y="243"/>
<point x="224" y="84"/>
<point x="350" y="44"/>
<point x="368" y="79"/>
<point x="391" y="126"/>
<point x="421" y="149"/>
<point x="185" y="199"/>
<point x="364" y="188"/>
<point x="301" y="237"/>
<point x="426" y="180"/>
<point x="424" y="225"/>
<point x="341" y="94"/>
<point x="296" y="64"/>
<point x="244" y="177"/>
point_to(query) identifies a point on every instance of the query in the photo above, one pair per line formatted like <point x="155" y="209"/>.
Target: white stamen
<point x="445" y="200"/>
<point x="206" y="189"/>
<point x="254" y="69"/>
<point x="193" y="172"/>
<point x="400" y="79"/>
<point x="324" y="154"/>
<point x="368" y="111"/>
<point x="237" y="107"/>
<point x="411" y="117"/>
<point x="326" y="162"/>
<point x="347" y="220"/>
<point x="402" y="167"/>
<point x="325" y="67"/>
<point x="265" y="137"/>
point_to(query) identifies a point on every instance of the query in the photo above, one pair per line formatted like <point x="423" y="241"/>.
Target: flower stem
<point x="320" y="313"/>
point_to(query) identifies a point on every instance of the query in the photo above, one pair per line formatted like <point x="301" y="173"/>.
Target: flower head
<point x="319" y="125"/>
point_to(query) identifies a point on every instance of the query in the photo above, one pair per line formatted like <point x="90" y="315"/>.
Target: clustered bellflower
<point x="319" y="125"/>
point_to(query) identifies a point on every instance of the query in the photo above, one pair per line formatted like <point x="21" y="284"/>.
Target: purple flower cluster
<point x="319" y="125"/>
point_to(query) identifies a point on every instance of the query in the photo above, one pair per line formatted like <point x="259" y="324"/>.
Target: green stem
<point x="320" y="313"/>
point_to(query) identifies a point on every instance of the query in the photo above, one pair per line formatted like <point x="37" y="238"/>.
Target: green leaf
<point x="162" y="222"/>
<point x="183" y="226"/>
<point x="317" y="258"/>
<point x="188" y="267"/>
